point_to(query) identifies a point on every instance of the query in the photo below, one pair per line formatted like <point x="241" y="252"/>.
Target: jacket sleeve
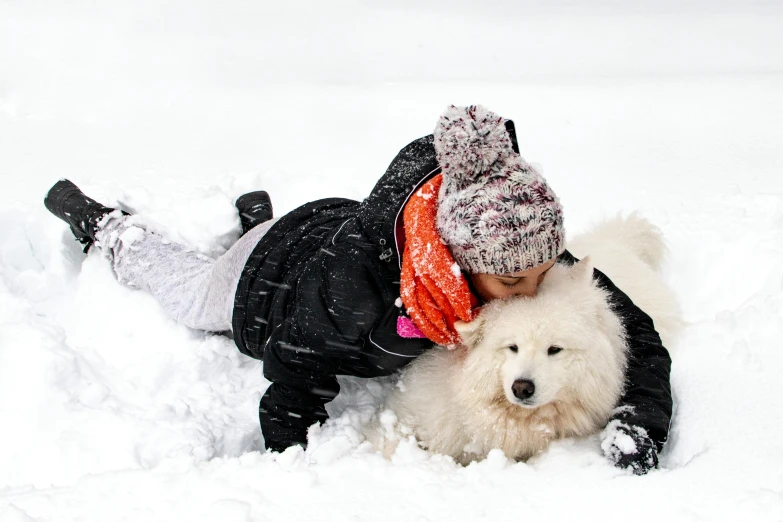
<point x="647" y="401"/>
<point x="340" y="323"/>
<point x="297" y="397"/>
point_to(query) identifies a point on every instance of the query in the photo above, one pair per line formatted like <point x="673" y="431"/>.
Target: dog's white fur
<point x="460" y="402"/>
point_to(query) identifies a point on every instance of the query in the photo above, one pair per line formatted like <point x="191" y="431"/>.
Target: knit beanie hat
<point x="495" y="212"/>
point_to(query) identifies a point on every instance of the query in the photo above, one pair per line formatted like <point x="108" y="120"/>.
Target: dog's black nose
<point x="523" y="389"/>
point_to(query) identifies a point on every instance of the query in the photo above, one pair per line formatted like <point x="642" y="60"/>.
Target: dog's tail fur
<point x="633" y="232"/>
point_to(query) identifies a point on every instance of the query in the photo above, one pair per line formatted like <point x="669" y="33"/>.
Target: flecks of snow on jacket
<point x="455" y="270"/>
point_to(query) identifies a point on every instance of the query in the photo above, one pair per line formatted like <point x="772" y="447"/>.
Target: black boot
<point x="254" y="208"/>
<point x="68" y="203"/>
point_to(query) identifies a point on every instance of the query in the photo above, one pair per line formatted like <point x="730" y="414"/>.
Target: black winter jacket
<point x="318" y="298"/>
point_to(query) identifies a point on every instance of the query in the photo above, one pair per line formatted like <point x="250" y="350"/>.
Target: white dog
<point x="537" y="369"/>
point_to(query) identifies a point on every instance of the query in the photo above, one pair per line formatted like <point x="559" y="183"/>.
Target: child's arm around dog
<point x="645" y="409"/>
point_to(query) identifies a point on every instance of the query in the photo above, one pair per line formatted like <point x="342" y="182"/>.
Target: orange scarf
<point x="432" y="287"/>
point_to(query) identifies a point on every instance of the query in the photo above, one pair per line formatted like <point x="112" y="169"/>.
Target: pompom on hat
<point x="496" y="213"/>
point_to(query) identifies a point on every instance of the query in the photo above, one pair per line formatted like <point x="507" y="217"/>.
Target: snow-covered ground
<point x="110" y="411"/>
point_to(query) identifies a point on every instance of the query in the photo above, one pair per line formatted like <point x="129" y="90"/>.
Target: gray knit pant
<point x="193" y="289"/>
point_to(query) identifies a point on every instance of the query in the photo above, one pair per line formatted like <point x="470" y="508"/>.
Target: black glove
<point x="629" y="447"/>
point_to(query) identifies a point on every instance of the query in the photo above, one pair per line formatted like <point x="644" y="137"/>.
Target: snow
<point x="420" y="193"/>
<point x="618" y="438"/>
<point x="131" y="235"/>
<point x="110" y="411"/>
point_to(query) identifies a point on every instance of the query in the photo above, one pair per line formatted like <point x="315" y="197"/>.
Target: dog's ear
<point x="472" y="332"/>
<point x="583" y="270"/>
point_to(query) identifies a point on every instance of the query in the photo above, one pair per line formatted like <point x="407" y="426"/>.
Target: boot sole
<point x="254" y="208"/>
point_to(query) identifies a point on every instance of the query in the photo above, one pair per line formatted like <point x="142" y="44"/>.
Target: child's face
<point x="491" y="286"/>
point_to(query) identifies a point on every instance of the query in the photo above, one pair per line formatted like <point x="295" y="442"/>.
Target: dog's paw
<point x="629" y="447"/>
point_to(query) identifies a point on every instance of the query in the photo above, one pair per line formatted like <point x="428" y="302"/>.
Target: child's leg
<point x="193" y="289"/>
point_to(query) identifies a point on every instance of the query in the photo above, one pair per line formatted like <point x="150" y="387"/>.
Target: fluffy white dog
<point x="538" y="369"/>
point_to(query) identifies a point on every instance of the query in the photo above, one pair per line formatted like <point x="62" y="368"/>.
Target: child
<point x="341" y="287"/>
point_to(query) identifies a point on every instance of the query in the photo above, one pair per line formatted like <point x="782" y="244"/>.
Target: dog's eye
<point x="513" y="348"/>
<point x="553" y="350"/>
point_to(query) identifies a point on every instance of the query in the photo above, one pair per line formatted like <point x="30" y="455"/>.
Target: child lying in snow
<point x="341" y="287"/>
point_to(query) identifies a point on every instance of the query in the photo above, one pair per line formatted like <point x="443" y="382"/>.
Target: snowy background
<point x="110" y="411"/>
